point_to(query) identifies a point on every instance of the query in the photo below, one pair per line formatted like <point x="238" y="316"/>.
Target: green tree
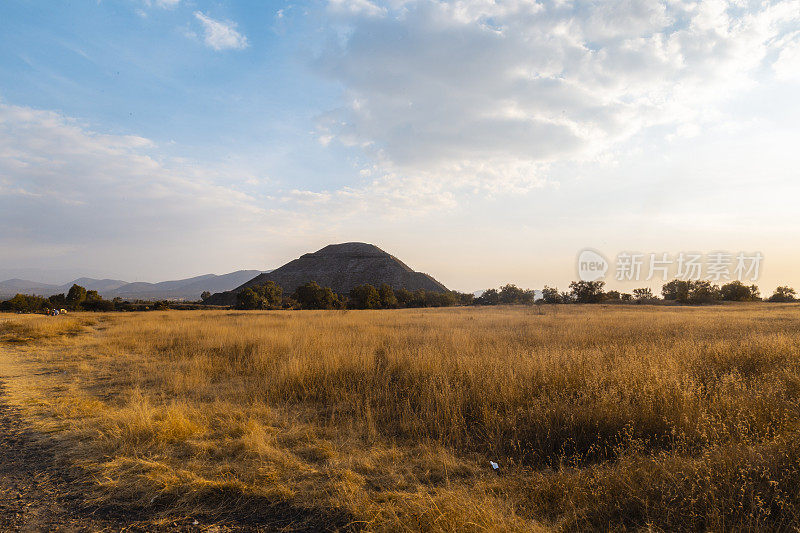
<point x="205" y="296"/>
<point x="59" y="301"/>
<point x="248" y="299"/>
<point x="439" y="299"/>
<point x="76" y="296"/>
<point x="587" y="292"/>
<point x="511" y="294"/>
<point x="676" y="290"/>
<point x="364" y="297"/>
<point x="420" y="299"/>
<point x="266" y="296"/>
<point x="703" y="292"/>
<point x="93" y="296"/>
<point x="489" y="297"/>
<point x="736" y="291"/>
<point x="311" y="296"/>
<point x="388" y="299"/>
<point x="272" y="293"/>
<point x="404" y="297"/>
<point x="691" y="291"/>
<point x="550" y="295"/>
<point x="783" y="294"/>
<point x="613" y="296"/>
<point x="97" y="304"/>
<point x="643" y="294"/>
<point x="25" y="303"/>
<point x="464" y="298"/>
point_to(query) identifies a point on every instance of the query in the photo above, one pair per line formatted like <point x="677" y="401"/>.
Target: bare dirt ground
<point x="35" y="494"/>
<point x="38" y="494"/>
<point x="30" y="499"/>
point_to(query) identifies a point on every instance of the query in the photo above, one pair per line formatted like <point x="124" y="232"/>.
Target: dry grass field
<point x="600" y="417"/>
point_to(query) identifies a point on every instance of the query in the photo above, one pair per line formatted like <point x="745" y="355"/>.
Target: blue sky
<point x="481" y="141"/>
<point x="137" y="68"/>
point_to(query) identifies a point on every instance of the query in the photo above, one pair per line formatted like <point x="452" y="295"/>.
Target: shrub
<point x="691" y="292"/>
<point x="783" y="294"/>
<point x="266" y="296"/>
<point x="550" y="295"/>
<point x="98" y="305"/>
<point x="587" y="292"/>
<point x="643" y="294"/>
<point x="364" y="297"/>
<point x="489" y="297"/>
<point x="464" y="298"/>
<point x="388" y="299"/>
<point x="76" y="296"/>
<point x="311" y="296"/>
<point x="404" y="296"/>
<point x="736" y="291"/>
<point x="24" y="303"/>
<point x="614" y="296"/>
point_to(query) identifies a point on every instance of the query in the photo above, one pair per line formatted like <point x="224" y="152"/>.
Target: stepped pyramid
<point x="340" y="267"/>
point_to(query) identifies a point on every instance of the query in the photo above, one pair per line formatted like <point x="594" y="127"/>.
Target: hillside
<point x="181" y="289"/>
<point x="340" y="267"/>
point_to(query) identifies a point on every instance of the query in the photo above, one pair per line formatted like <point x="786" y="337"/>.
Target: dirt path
<point x="31" y="486"/>
<point x="39" y="494"/>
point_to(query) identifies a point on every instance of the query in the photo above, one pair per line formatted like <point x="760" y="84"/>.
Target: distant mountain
<point x="182" y="289"/>
<point x="48" y="276"/>
<point x="185" y="289"/>
<point x="340" y="267"/>
<point x="10" y="287"/>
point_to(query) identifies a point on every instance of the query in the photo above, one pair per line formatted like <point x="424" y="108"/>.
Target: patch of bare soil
<point x="40" y="492"/>
<point x="37" y="494"/>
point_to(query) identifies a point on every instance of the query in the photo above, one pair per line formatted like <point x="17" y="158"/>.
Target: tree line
<point x="313" y="296"/>
<point x="78" y="298"/>
<point x="678" y="291"/>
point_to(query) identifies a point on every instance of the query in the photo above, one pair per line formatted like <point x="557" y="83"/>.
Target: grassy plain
<point x="600" y="417"/>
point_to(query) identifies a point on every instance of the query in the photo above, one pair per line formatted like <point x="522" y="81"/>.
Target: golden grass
<point x="620" y="417"/>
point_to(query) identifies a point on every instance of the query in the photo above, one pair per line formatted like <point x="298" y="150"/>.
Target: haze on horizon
<point x="480" y="141"/>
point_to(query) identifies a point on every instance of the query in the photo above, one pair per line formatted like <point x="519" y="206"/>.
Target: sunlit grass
<point x="600" y="416"/>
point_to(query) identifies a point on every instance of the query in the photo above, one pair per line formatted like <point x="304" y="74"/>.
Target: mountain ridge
<point x="182" y="289"/>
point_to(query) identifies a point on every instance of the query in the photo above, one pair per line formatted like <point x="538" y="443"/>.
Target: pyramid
<point x="340" y="267"/>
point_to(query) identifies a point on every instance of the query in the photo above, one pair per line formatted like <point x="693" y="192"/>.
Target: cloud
<point x="163" y="4"/>
<point x="70" y="193"/>
<point x="64" y="185"/>
<point x="221" y="35"/>
<point x="787" y="66"/>
<point x="489" y="94"/>
<point x="356" y="7"/>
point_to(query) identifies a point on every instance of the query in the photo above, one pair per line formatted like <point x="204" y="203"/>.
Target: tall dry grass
<point x="600" y="416"/>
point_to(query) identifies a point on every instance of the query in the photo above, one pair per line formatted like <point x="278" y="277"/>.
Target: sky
<point x="481" y="141"/>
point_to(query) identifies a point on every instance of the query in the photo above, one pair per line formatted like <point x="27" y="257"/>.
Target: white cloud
<point x="356" y="7"/>
<point x="221" y="35"/>
<point x="68" y="193"/>
<point x="163" y="4"/>
<point x="488" y="94"/>
<point x="787" y="66"/>
<point x="63" y="184"/>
